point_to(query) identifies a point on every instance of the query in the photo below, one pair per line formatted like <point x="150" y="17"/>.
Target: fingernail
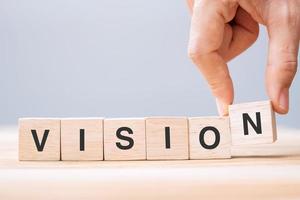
<point x="222" y="108"/>
<point x="284" y="99"/>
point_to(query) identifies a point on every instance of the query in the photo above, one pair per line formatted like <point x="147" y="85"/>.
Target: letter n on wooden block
<point x="82" y="139"/>
<point x="39" y="139"/>
<point x="252" y="123"/>
<point x="124" y="139"/>
<point x="209" y="137"/>
<point x="167" y="138"/>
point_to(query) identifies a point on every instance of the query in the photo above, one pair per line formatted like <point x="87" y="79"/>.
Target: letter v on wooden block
<point x="252" y="123"/>
<point x="39" y="139"/>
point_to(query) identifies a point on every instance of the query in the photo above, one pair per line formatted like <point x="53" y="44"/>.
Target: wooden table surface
<point x="257" y="172"/>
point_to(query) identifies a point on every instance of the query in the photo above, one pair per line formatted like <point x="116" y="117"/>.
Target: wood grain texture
<point x="27" y="146"/>
<point x="156" y="140"/>
<point x="268" y="124"/>
<point x="111" y="150"/>
<point x="222" y="150"/>
<point x="92" y="129"/>
<point x="263" y="171"/>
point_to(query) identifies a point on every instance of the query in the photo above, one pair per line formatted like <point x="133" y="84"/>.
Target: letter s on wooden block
<point x="124" y="139"/>
<point x="210" y="137"/>
<point x="39" y="139"/>
<point x="252" y="123"/>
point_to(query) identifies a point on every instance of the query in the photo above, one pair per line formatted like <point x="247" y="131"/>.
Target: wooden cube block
<point x="82" y="139"/>
<point x="210" y="137"/>
<point x="167" y="138"/>
<point x="124" y="139"/>
<point x="252" y="123"/>
<point x="39" y="139"/>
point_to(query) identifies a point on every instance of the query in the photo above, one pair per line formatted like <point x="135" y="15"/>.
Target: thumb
<point x="282" y="60"/>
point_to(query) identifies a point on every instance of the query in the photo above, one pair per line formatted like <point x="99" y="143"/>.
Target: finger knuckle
<point x="285" y="14"/>
<point x="195" y="55"/>
<point x="285" y="68"/>
<point x="289" y="68"/>
<point x="218" y="85"/>
<point x="229" y="3"/>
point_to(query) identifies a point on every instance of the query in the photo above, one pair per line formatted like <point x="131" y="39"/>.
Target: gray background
<point x="121" y="58"/>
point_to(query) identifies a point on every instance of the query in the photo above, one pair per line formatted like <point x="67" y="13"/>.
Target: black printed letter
<point x="167" y="138"/>
<point x="217" y="136"/>
<point x="246" y="119"/>
<point x="81" y="140"/>
<point x="126" y="138"/>
<point x="40" y="147"/>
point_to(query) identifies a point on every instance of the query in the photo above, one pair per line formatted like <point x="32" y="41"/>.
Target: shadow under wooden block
<point x="82" y="139"/>
<point x="167" y="138"/>
<point x="124" y="139"/>
<point x="39" y="139"/>
<point x="209" y="137"/>
<point x="252" y="123"/>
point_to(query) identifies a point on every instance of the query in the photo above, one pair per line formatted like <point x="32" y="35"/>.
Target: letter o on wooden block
<point x="210" y="137"/>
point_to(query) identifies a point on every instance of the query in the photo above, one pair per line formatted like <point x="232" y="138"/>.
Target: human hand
<point x="222" y="29"/>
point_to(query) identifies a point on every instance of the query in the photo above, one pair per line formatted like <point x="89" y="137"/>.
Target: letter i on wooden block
<point x="252" y="123"/>
<point x="167" y="138"/>
<point x="39" y="139"/>
<point x="209" y="137"/>
<point x="82" y="139"/>
<point x="124" y="139"/>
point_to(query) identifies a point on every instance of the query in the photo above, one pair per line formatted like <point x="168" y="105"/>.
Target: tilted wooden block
<point x="39" y="139"/>
<point x="124" y="139"/>
<point x="209" y="137"/>
<point x="252" y="123"/>
<point x="82" y="139"/>
<point x="167" y="138"/>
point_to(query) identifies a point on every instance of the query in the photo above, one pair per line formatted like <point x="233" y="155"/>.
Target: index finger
<point x="206" y="36"/>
